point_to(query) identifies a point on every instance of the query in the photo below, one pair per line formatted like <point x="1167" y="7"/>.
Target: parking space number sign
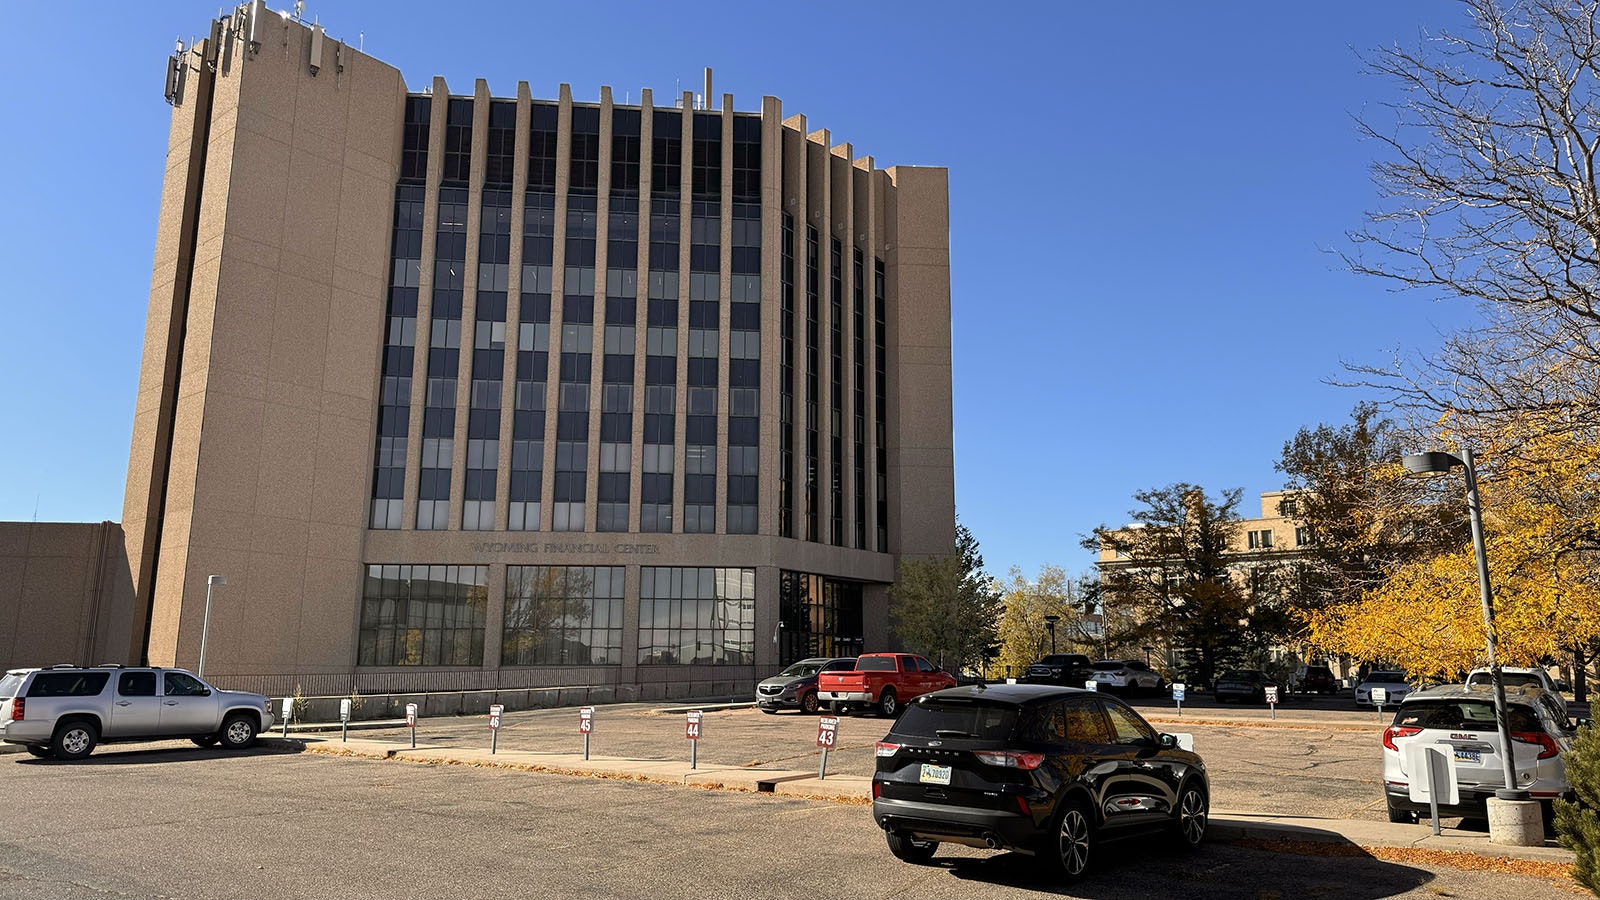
<point x="827" y="731"/>
<point x="411" y="715"/>
<point x="1178" y="689"/>
<point x="691" y="727"/>
<point x="586" y="720"/>
<point x="1272" y="694"/>
<point x="494" y="715"/>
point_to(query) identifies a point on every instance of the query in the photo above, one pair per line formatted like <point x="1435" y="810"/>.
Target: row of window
<point x="435" y="615"/>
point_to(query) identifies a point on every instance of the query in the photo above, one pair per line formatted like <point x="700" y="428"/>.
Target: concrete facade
<point x="65" y="595"/>
<point x="257" y="419"/>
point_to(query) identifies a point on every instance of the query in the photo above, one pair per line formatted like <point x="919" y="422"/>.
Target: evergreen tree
<point x="946" y="607"/>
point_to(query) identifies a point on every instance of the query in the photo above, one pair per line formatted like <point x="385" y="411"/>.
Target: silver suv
<point x="64" y="711"/>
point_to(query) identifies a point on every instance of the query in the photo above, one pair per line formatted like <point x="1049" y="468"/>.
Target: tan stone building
<point x="460" y="391"/>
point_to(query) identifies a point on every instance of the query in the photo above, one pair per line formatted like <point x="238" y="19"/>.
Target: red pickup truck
<point x="882" y="681"/>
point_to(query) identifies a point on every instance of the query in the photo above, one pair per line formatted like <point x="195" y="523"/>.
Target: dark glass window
<point x="786" y="382"/>
<point x="858" y="368"/>
<point x="818" y="616"/>
<point x="414" y="142"/>
<point x="666" y="157"/>
<point x="813" y="394"/>
<point x="415" y="615"/>
<point x="501" y="156"/>
<point x="585" y="168"/>
<point x="746" y="159"/>
<point x="706" y="166"/>
<point x="399" y="349"/>
<point x="881" y="406"/>
<point x="458" y="142"/>
<point x="625" y="150"/>
<point x="836" y="393"/>
<point x="542" y="137"/>
<point x="563" y="616"/>
<point x="698" y="616"/>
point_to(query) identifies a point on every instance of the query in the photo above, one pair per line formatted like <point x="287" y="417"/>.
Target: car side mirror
<point x="1167" y="742"/>
<point x="1581" y="723"/>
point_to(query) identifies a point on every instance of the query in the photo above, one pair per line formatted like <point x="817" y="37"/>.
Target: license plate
<point x="934" y="774"/>
<point x="1471" y="756"/>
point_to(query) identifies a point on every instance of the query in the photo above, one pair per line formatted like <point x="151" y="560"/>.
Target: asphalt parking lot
<point x="169" y="820"/>
<point x="1318" y="757"/>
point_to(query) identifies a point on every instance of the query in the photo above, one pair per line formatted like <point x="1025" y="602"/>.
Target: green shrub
<point x="1577" y="825"/>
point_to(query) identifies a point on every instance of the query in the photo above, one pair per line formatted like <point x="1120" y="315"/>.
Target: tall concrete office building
<point x="460" y="391"/>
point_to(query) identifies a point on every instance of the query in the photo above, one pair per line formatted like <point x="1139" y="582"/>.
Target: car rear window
<point x="876" y="664"/>
<point x="9" y="685"/>
<point x="1108" y="665"/>
<point x="949" y="718"/>
<point x="1510" y="679"/>
<point x="1463" y="715"/>
<point x="1320" y="671"/>
<point x="1387" y="677"/>
<point x="68" y="684"/>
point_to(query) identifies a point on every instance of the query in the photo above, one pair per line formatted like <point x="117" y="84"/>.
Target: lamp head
<point x="1420" y="463"/>
<point x="216" y="580"/>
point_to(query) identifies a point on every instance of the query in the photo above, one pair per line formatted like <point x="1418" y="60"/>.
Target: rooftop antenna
<point x="299" y="9"/>
<point x="361" y="37"/>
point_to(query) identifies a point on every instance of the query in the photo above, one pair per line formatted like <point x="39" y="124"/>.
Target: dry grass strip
<point x="1558" y="873"/>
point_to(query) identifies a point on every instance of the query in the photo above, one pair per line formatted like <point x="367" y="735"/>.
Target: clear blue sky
<point x="1142" y="197"/>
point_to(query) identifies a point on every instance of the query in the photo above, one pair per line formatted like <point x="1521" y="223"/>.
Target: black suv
<point x="1042" y="770"/>
<point x="1070" y="669"/>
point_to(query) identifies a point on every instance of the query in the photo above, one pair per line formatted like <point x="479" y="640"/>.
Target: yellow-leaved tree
<point x="1539" y="484"/>
<point x="1023" y="635"/>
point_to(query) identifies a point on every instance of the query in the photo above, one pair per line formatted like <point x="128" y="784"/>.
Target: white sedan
<point x="1125" y="675"/>
<point x="1394" y="684"/>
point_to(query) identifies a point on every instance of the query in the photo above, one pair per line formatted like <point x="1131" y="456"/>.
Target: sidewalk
<point x="1225" y="824"/>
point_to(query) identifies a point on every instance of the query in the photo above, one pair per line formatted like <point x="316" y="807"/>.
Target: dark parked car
<point x="1043" y="770"/>
<point x="796" y="686"/>
<point x="1316" y="680"/>
<point x="1244" y="685"/>
<point x="1069" y="669"/>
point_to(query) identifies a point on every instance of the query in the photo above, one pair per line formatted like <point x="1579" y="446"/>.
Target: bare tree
<point x="1492" y="194"/>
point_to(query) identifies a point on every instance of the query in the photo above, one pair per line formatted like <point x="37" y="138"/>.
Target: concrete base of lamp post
<point x="1516" y="823"/>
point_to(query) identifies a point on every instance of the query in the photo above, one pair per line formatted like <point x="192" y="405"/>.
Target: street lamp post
<point x="1050" y="626"/>
<point x="1420" y="463"/>
<point x="205" y="623"/>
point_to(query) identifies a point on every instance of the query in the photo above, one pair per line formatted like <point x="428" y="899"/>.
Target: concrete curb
<point x="1225" y="824"/>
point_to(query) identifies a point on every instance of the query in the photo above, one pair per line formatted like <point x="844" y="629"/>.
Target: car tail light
<point x="16" y="709"/>
<point x="1023" y="807"/>
<point x="1545" y="742"/>
<point x="877" y="789"/>
<point x="887" y="749"/>
<point x="1392" y="732"/>
<point x="1010" y="759"/>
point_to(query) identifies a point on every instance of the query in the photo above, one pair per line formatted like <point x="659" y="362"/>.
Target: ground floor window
<point x="423" y="615"/>
<point x="697" y="616"/>
<point x="817" y="616"/>
<point x="563" y="615"/>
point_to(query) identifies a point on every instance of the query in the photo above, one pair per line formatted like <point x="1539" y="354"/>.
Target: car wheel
<point x="1401" y="816"/>
<point x="809" y="704"/>
<point x="74" y="740"/>
<point x="39" y="750"/>
<point x="909" y="850"/>
<point x="887" y="704"/>
<point x="207" y="740"/>
<point x="1073" y="848"/>
<point x="1194" y="814"/>
<point x="238" y="731"/>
